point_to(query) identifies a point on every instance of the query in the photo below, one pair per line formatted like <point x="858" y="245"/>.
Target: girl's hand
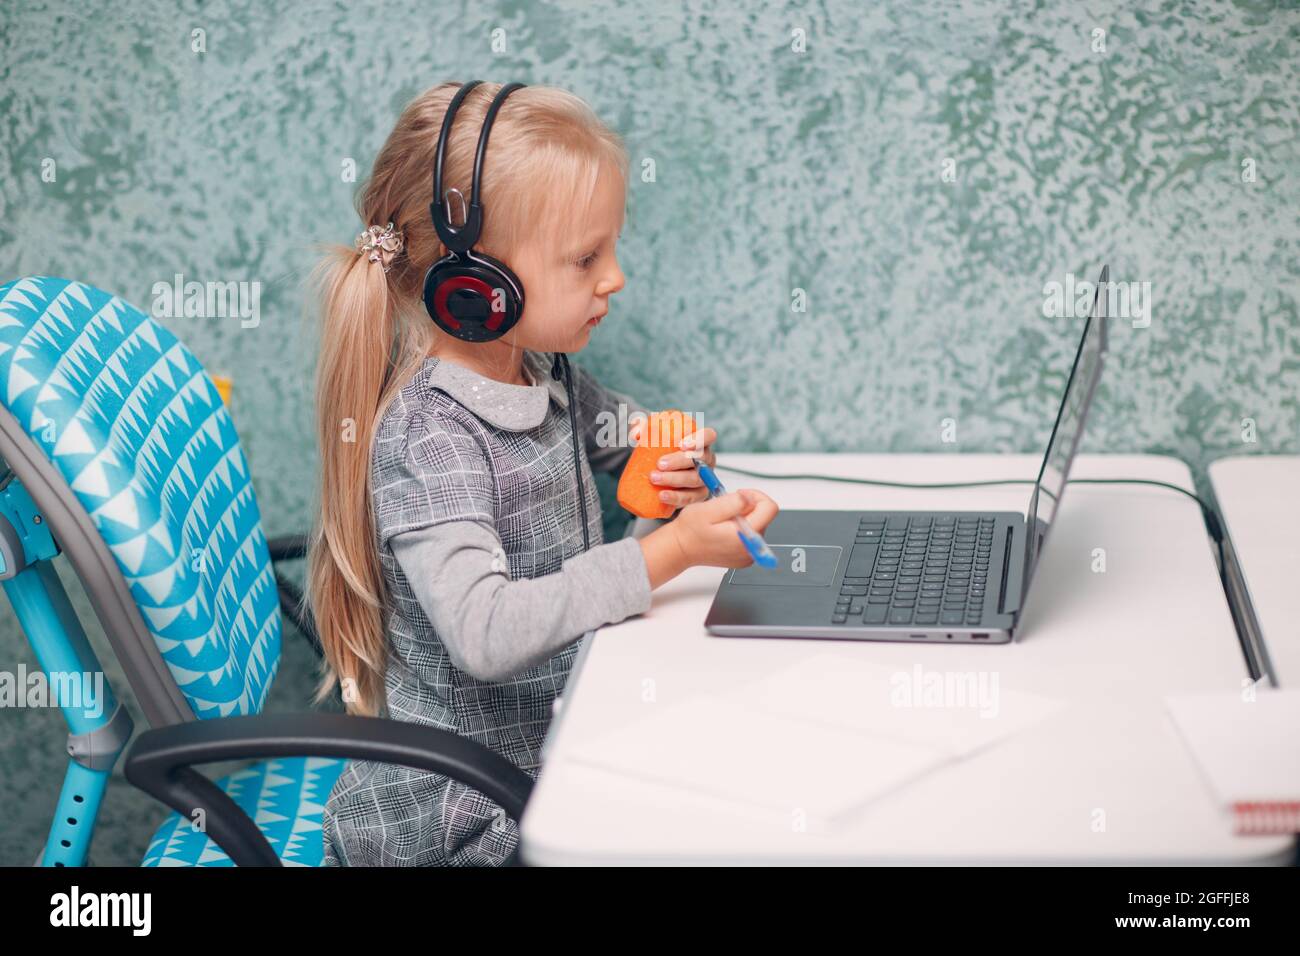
<point x="677" y="469"/>
<point x="706" y="533"/>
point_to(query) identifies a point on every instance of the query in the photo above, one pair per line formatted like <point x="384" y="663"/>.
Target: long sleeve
<point x="494" y="627"/>
<point x="598" y="420"/>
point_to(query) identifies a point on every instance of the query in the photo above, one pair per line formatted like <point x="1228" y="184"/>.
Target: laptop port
<point x="979" y="637"/>
<point x="918" y="637"/>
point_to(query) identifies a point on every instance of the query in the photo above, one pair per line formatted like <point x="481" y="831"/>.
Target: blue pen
<point x="751" y="539"/>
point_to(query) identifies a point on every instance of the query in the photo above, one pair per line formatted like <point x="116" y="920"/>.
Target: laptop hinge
<point x="1006" y="571"/>
<point x="1015" y="574"/>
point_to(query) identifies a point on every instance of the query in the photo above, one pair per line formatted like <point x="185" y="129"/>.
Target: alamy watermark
<point x="96" y="908"/>
<point x="208" y="300"/>
<point x="81" y="690"/>
<point x="1073" y="298"/>
<point x="946" y="689"/>
<point x="614" y="429"/>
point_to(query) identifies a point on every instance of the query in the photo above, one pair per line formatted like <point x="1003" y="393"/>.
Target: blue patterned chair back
<point x="129" y="418"/>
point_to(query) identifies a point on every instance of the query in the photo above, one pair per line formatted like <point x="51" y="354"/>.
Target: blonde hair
<point x="546" y="152"/>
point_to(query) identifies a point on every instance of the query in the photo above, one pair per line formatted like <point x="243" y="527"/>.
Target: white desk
<point x="1259" y="500"/>
<point x="1109" y="645"/>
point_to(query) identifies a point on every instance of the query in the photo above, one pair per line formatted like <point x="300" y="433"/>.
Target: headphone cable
<point x="1211" y="518"/>
<point x="561" y="363"/>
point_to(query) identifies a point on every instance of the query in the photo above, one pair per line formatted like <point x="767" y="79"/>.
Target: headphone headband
<point x="460" y="239"/>
<point x="470" y="295"/>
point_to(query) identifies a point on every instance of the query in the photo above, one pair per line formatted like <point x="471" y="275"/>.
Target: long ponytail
<point x="345" y="579"/>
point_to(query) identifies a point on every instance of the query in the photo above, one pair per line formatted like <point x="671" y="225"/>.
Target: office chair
<point x="119" y="453"/>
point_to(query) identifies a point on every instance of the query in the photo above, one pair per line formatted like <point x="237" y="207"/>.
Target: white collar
<point x="512" y="407"/>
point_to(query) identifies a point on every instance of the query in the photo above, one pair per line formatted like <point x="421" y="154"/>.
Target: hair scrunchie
<point x="381" y="244"/>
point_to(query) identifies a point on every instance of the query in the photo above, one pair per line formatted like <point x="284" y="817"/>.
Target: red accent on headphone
<point x="463" y="282"/>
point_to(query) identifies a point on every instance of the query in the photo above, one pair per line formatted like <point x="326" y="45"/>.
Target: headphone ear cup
<point x="475" y="299"/>
<point x="508" y="282"/>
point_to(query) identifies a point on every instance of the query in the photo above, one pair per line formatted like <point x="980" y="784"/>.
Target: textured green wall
<point x="775" y="170"/>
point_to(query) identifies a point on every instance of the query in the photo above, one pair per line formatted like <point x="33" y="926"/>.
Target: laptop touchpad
<point x="797" y="565"/>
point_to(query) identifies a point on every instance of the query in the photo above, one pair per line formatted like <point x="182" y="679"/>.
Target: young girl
<point x="447" y="574"/>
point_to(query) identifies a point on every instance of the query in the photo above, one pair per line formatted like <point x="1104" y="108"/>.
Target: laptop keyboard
<point x="917" y="570"/>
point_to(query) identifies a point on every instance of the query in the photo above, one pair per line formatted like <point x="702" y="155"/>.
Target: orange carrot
<point x="636" y="492"/>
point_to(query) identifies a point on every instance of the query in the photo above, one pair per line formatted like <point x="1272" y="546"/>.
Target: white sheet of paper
<point x="955" y="712"/>
<point x="1247" y="750"/>
<point x="824" y="735"/>
<point x="720" y="746"/>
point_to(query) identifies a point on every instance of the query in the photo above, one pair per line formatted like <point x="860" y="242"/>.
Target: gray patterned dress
<point x="480" y="539"/>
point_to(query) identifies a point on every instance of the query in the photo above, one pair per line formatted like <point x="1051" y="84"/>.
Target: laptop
<point x="947" y="576"/>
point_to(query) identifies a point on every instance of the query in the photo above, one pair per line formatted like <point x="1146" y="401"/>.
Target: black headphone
<point x="470" y="295"/>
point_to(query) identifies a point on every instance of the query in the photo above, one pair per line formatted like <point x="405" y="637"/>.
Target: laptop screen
<point x="1063" y="444"/>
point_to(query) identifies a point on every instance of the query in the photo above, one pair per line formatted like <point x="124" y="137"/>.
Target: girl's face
<point x="567" y="288"/>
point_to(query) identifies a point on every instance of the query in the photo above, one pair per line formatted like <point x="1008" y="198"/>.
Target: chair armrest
<point x="160" y="763"/>
<point x="288" y="547"/>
